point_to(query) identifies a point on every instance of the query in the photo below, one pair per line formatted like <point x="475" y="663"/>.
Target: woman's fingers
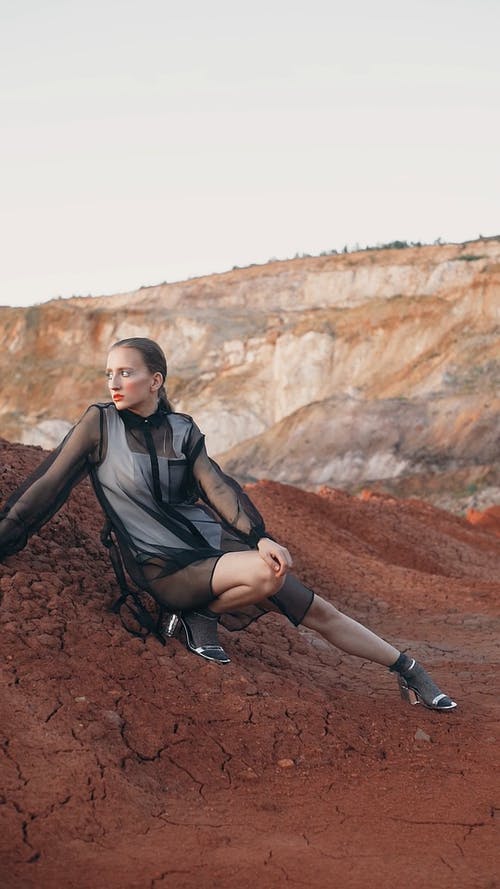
<point x="270" y="559"/>
<point x="276" y="556"/>
<point x="280" y="563"/>
<point x="276" y="562"/>
<point x="284" y="556"/>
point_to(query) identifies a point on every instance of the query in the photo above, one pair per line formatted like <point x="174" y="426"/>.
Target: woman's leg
<point x="242" y="578"/>
<point x="352" y="637"/>
<point x="238" y="579"/>
<point x="347" y="634"/>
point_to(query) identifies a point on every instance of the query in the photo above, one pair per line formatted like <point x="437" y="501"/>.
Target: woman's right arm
<point x="40" y="496"/>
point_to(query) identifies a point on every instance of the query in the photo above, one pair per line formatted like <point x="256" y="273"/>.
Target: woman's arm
<point x="46" y="489"/>
<point x="227" y="498"/>
<point x="221" y="492"/>
<point x="237" y="512"/>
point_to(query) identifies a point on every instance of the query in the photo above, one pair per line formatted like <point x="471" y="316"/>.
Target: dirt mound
<point x="489" y="520"/>
<point x="135" y="765"/>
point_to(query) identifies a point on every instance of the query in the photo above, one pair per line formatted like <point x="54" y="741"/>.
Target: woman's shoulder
<point x="91" y="419"/>
<point x="102" y="405"/>
<point x="179" y="419"/>
<point x="97" y="407"/>
<point x="187" y="417"/>
<point x="94" y="412"/>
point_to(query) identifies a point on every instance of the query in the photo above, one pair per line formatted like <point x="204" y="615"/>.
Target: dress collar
<point x="135" y="421"/>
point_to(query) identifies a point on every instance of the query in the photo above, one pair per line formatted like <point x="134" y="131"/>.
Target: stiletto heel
<point x="417" y="687"/>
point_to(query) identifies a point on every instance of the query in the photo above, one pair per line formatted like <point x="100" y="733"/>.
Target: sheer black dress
<point x="173" y="510"/>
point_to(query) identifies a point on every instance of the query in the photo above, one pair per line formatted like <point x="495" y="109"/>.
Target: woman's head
<point x="136" y="372"/>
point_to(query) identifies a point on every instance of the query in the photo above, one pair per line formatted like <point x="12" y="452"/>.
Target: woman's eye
<point x="123" y="373"/>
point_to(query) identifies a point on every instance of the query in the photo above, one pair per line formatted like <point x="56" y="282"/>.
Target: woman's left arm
<point x="234" y="507"/>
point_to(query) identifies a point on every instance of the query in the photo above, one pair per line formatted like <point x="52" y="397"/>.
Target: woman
<point x="150" y="469"/>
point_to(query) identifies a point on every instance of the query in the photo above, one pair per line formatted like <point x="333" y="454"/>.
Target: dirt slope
<point x="130" y="765"/>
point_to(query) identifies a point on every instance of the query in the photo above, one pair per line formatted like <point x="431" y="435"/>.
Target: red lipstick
<point x="117" y="397"/>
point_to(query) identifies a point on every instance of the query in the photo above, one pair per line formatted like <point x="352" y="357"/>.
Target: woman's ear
<point x="157" y="382"/>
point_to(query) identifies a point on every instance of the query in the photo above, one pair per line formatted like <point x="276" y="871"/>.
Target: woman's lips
<point x="117" y="397"/>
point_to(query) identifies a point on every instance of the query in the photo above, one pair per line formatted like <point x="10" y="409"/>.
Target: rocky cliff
<point x="378" y="368"/>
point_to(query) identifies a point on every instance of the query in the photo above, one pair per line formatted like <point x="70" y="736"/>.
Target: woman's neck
<point x="146" y="410"/>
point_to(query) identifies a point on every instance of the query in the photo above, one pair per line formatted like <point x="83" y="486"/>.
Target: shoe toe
<point x="213" y="653"/>
<point x="444" y="703"/>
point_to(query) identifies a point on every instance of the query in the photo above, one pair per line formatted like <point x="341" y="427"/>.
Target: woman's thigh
<point x="244" y="569"/>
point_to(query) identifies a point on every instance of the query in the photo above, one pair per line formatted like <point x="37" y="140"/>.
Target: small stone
<point x="248" y="775"/>
<point x="286" y="763"/>
<point x="113" y="717"/>
<point x="420" y="735"/>
<point x="80" y="699"/>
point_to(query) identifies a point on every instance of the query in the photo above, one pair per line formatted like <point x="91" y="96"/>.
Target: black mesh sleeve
<point x="40" y="496"/>
<point x="223" y="494"/>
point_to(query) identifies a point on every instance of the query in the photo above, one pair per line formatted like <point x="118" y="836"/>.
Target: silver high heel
<point x="417" y="687"/>
<point x="200" y="629"/>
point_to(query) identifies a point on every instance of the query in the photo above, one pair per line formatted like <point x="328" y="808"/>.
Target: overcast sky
<point x="156" y="140"/>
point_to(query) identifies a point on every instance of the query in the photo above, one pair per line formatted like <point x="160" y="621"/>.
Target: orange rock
<point x="489" y="520"/>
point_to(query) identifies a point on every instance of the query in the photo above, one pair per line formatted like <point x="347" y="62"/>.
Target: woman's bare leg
<point x="352" y="637"/>
<point x="243" y="578"/>
<point x="347" y="634"/>
<point x="240" y="579"/>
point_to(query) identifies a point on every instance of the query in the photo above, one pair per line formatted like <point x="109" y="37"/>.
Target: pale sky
<point x="153" y="141"/>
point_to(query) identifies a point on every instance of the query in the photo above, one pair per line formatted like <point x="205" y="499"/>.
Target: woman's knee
<point x="320" y="614"/>
<point x="265" y="579"/>
<point x="245" y="569"/>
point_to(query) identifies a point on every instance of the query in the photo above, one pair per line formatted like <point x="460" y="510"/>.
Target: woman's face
<point x="130" y="383"/>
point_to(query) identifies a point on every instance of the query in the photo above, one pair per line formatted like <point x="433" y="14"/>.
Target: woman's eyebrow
<point x="126" y="367"/>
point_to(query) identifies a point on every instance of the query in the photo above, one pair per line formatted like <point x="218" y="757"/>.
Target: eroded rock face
<point x="376" y="367"/>
<point x="47" y="433"/>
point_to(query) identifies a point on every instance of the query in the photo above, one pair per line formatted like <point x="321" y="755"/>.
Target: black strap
<point x="155" y="470"/>
<point x="137" y="609"/>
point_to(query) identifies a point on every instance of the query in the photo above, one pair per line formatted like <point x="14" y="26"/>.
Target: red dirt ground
<point x="126" y="764"/>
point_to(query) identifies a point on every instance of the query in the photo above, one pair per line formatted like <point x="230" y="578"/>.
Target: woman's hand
<point x="275" y="555"/>
<point x="13" y="537"/>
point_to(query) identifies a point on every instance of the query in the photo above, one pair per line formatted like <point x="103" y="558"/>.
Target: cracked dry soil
<point x="140" y="766"/>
